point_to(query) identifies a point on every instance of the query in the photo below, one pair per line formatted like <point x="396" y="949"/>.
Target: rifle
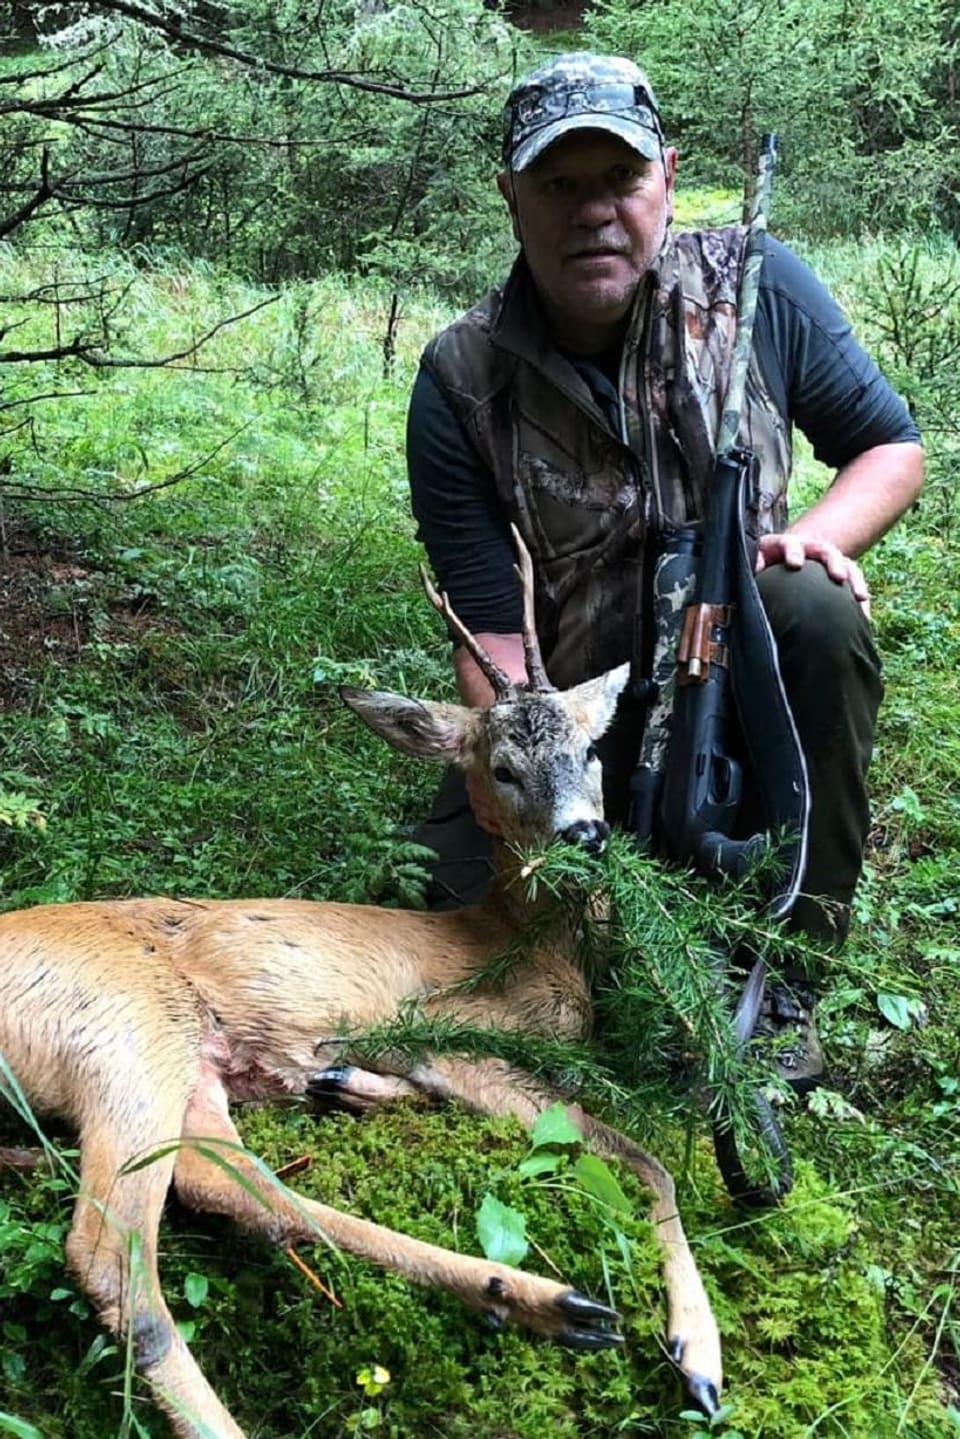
<point x="687" y="788"/>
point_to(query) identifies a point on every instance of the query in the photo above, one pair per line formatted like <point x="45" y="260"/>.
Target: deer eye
<point x="592" y="753"/>
<point x="504" y="776"/>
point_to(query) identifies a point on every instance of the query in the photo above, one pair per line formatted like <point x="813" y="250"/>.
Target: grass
<point x="169" y="666"/>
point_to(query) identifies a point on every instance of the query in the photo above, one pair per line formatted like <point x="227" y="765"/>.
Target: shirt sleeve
<point x="818" y="373"/>
<point x="460" y="519"/>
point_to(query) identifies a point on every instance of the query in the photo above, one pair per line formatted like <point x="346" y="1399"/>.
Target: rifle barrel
<point x="747" y="297"/>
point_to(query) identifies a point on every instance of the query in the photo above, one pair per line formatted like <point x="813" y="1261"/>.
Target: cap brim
<point x="644" y="141"/>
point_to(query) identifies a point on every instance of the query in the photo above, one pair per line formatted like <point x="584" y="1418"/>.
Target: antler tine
<point x="502" y="684"/>
<point x="536" y="671"/>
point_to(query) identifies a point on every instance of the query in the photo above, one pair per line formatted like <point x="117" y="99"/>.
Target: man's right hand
<point x="482" y="804"/>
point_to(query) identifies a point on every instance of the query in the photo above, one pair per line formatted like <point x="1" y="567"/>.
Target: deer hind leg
<point x="240" y="1187"/>
<point x="112" y="1250"/>
<point x="490" y="1086"/>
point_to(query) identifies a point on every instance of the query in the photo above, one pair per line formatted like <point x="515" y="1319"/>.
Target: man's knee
<point x="808" y="604"/>
<point x="819" y="627"/>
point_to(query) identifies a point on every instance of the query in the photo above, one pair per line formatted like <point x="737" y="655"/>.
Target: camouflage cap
<point x="580" y="91"/>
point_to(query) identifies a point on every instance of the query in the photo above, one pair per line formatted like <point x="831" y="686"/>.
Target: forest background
<point x="226" y="231"/>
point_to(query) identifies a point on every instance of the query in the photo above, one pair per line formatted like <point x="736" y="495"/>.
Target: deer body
<point x="139" y="1020"/>
<point x="268" y="987"/>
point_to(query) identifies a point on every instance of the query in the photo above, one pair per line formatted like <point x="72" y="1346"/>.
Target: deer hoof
<point x="329" y="1090"/>
<point x="589" y="1327"/>
<point x="703" y="1391"/>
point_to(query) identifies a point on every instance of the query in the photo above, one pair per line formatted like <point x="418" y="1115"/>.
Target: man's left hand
<point x="793" y="550"/>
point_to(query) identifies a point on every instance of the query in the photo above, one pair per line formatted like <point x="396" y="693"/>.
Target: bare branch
<point x="75" y="349"/>
<point x="175" y="30"/>
<point x="35" y="400"/>
<point x="105" y="363"/>
<point x="88" y="351"/>
<point x="125" y="177"/>
<point x="131" y="201"/>
<point x="41" y="492"/>
<point x="40" y="196"/>
<point x="20" y="77"/>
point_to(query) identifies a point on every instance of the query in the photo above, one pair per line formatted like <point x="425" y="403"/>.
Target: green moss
<point x="807" y="1341"/>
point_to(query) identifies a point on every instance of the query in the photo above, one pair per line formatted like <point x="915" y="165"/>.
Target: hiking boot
<point x="787" y="1029"/>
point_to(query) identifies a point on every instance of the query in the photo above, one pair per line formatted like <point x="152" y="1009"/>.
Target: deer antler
<point x="536" y="671"/>
<point x="502" y="684"/>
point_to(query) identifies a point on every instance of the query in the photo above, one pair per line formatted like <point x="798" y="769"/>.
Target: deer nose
<point x="592" y="834"/>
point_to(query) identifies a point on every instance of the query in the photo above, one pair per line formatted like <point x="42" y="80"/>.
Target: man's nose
<point x="595" y="206"/>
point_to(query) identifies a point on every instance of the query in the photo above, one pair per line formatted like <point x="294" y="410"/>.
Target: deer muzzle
<point x="591" y="834"/>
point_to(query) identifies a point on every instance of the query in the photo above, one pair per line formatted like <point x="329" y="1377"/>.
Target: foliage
<point x="862" y="97"/>
<point x="317" y="149"/>
<point x="911" y="301"/>
<point x="805" y="1328"/>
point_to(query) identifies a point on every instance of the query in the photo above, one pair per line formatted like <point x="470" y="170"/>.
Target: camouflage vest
<point x="589" y="499"/>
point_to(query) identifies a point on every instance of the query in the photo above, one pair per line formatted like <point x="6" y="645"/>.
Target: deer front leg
<point x="25" y="1160"/>
<point x="354" y="1090"/>
<point x="489" y="1086"/>
<point x="244" y="1190"/>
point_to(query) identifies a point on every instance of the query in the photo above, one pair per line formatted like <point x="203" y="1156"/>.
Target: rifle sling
<point x="766" y="722"/>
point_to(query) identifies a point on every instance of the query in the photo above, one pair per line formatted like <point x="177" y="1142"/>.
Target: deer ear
<point x="416" y="727"/>
<point x="592" y="703"/>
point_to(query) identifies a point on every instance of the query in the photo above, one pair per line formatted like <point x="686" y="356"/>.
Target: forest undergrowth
<point x="170" y="649"/>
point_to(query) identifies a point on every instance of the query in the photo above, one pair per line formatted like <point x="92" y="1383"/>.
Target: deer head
<point x="534" y="747"/>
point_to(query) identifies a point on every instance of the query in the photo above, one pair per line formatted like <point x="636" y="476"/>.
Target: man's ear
<point x="592" y="703"/>
<point x="416" y="727"/>
<point x="505" y="185"/>
<point x="670" y="158"/>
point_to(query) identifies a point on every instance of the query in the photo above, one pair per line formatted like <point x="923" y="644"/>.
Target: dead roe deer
<point x="139" y="1020"/>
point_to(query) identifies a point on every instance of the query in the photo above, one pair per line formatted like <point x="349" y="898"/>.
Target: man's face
<point x="591" y="215"/>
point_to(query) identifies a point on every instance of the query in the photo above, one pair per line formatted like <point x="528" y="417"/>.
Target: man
<point x="581" y="401"/>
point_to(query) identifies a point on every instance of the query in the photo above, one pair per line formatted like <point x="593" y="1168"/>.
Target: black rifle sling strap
<point x="774" y="751"/>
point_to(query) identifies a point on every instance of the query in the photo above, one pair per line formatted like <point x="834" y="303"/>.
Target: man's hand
<point x="793" y="551"/>
<point x="481" y="802"/>
<point x="867" y="496"/>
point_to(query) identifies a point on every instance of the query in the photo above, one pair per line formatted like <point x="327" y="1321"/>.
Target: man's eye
<point x="503" y="775"/>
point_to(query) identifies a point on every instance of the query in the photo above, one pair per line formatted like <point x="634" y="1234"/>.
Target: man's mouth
<point x="606" y="252"/>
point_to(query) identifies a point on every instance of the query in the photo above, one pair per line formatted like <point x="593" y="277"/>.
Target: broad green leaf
<point x="542" y="1161"/>
<point x="502" y="1231"/>
<point x="895" y="1008"/>
<point x="593" y="1175"/>
<point x="555" y="1126"/>
<point x="196" y="1287"/>
<point x="9" y="1424"/>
